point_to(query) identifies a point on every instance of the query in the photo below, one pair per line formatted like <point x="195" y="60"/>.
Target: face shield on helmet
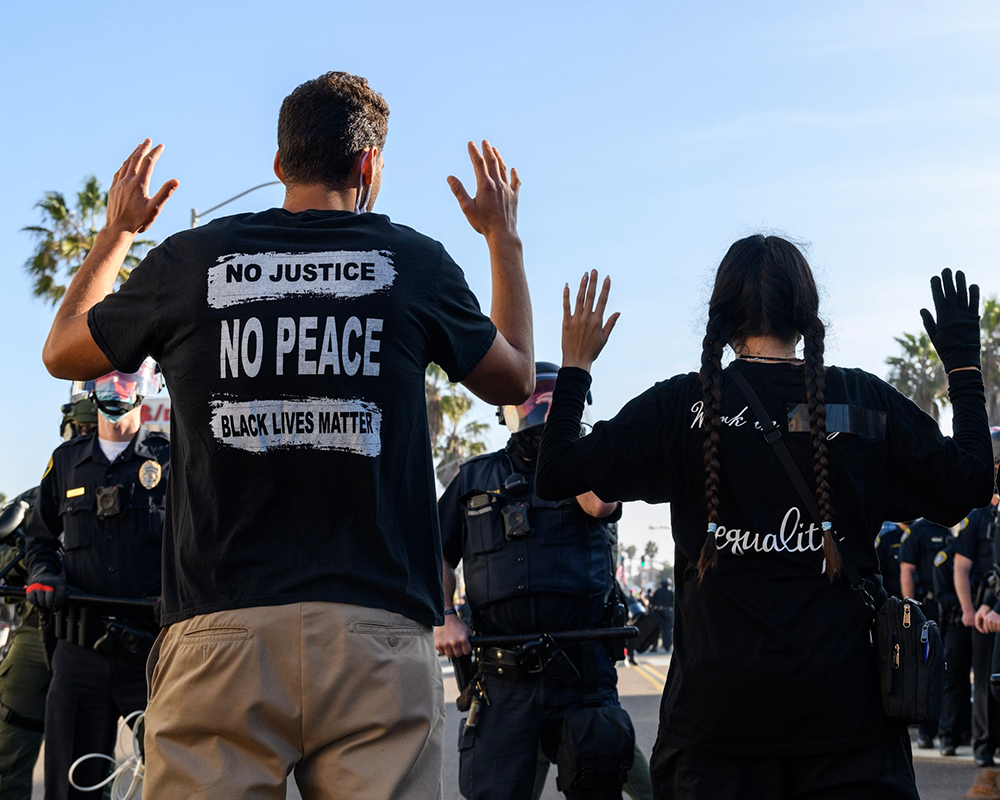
<point x="535" y="410"/>
<point x="117" y="393"/>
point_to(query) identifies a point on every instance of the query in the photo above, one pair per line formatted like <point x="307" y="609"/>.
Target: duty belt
<point x="530" y="660"/>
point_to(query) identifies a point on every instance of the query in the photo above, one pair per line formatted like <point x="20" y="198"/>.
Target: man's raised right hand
<point x="493" y="211"/>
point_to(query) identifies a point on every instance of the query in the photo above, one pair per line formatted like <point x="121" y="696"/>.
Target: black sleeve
<point x="452" y="519"/>
<point x="622" y="459"/>
<point x="125" y="324"/>
<point x="932" y="475"/>
<point x="42" y="539"/>
<point x="460" y="333"/>
<point x="909" y="550"/>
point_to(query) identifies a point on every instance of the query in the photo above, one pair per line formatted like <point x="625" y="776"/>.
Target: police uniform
<point x="111" y="538"/>
<point x="920" y="546"/>
<point x="975" y="542"/>
<point x="956" y="708"/>
<point x="888" y="544"/>
<point x="553" y="574"/>
<point x="24" y="677"/>
<point x="663" y="606"/>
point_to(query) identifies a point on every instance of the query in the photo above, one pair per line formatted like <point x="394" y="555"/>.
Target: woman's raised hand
<point x="584" y="331"/>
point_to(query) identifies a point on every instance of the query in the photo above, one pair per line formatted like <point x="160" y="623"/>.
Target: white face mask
<point x="364" y="192"/>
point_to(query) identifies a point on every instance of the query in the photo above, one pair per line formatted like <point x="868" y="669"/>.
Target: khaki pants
<point x="350" y="698"/>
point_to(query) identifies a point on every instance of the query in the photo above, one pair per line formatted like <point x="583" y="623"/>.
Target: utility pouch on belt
<point x="908" y="647"/>
<point x="596" y="751"/>
<point x="122" y="637"/>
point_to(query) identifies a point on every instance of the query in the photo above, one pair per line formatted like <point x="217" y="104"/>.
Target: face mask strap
<point x="364" y="192"/>
<point x="112" y="410"/>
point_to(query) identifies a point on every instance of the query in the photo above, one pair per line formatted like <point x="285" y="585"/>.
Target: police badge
<point x="150" y="473"/>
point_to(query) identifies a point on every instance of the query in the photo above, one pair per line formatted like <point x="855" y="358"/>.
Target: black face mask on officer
<point x="525" y="443"/>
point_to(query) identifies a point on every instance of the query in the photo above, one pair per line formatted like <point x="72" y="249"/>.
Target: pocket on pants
<point x="223" y="633"/>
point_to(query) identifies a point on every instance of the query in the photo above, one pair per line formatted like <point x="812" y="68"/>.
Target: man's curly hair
<point x="325" y="124"/>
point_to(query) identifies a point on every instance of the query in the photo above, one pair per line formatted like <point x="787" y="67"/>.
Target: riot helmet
<point x="118" y="393"/>
<point x="534" y="411"/>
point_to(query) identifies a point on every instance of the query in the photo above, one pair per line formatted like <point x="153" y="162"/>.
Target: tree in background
<point x="629" y="553"/>
<point x="918" y="373"/>
<point x="990" y="322"/>
<point x="651" y="550"/>
<point x="65" y="237"/>
<point x="452" y="439"/>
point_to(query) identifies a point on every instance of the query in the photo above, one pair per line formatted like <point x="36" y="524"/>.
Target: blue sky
<point x="649" y="136"/>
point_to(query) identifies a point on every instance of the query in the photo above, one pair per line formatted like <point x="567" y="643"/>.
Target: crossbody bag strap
<point x="772" y="436"/>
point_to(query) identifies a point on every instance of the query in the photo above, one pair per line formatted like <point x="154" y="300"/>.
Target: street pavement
<point x="640" y="688"/>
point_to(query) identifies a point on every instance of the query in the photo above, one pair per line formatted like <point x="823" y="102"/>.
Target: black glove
<point x="47" y="591"/>
<point x="955" y="333"/>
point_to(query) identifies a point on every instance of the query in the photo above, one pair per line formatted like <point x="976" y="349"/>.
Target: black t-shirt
<point x="770" y="656"/>
<point x="294" y="347"/>
<point x="888" y="543"/>
<point x="921" y="544"/>
<point x="975" y="541"/>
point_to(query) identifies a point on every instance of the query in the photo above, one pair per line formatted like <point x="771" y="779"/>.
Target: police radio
<point x="515" y="514"/>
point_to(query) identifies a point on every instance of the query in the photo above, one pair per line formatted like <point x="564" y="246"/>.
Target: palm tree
<point x="630" y="552"/>
<point x="651" y="550"/>
<point x="918" y="373"/>
<point x="452" y="439"/>
<point x="66" y="236"/>
<point x="990" y="321"/>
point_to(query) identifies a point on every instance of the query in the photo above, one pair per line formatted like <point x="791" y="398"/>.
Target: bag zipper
<point x="906" y="614"/>
<point x="895" y="657"/>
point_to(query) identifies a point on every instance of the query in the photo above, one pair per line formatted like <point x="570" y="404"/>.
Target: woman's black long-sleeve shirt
<point x="770" y="656"/>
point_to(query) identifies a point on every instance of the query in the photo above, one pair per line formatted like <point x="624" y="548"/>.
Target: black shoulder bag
<point x="908" y="647"/>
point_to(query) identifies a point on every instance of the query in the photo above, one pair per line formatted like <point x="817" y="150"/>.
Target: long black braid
<point x="711" y="388"/>
<point x="764" y="287"/>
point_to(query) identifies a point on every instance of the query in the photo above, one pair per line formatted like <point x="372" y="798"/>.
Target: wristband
<point x="450" y="611"/>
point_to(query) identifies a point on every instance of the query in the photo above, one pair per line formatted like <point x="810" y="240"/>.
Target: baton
<point x="84" y="599"/>
<point x="562" y="637"/>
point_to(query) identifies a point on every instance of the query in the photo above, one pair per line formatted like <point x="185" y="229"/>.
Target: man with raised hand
<point x="302" y="555"/>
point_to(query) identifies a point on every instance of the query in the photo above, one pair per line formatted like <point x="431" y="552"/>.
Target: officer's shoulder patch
<point x="963" y="524"/>
<point x="940" y="558"/>
<point x="878" y="542"/>
<point x="48" y="469"/>
<point x="905" y="536"/>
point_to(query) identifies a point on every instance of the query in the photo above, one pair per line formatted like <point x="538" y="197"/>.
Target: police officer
<point x="662" y="604"/>
<point x="24" y="672"/>
<point x="888" y="544"/>
<point x="956" y="708"/>
<point x="24" y="669"/>
<point x="103" y="495"/>
<point x="920" y="545"/>
<point x="533" y="567"/>
<point x="974" y="564"/>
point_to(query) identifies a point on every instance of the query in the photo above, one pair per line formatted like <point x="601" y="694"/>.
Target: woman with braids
<point x="773" y="691"/>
